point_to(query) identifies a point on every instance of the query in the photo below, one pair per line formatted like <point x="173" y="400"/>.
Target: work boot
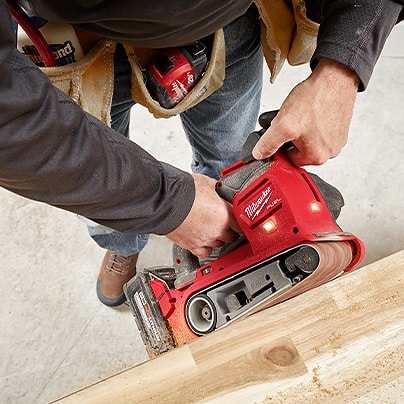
<point x="115" y="271"/>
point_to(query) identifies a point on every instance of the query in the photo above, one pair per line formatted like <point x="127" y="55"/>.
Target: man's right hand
<point x="314" y="117"/>
<point x="210" y="222"/>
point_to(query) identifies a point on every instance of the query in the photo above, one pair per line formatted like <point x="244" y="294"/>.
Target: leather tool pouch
<point x="89" y="81"/>
<point x="286" y="33"/>
<point x="209" y="83"/>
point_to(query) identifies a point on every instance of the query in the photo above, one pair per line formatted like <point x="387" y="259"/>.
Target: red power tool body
<point x="290" y="243"/>
<point x="174" y="72"/>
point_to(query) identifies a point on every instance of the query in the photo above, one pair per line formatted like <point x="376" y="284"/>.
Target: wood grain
<point x="340" y="342"/>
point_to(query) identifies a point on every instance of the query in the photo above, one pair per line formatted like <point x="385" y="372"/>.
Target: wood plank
<point x="341" y="342"/>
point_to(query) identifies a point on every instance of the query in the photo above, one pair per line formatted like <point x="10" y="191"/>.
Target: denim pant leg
<point x="216" y="128"/>
<point x="219" y="125"/>
<point x="122" y="102"/>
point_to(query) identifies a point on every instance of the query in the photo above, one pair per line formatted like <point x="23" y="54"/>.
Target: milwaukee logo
<point x="255" y="208"/>
<point x="143" y="307"/>
<point x="179" y="91"/>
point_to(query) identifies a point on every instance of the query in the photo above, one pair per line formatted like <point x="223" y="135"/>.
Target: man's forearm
<point x="354" y="33"/>
<point x="51" y="151"/>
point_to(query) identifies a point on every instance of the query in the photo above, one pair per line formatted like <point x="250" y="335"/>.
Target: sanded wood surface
<point x="340" y="342"/>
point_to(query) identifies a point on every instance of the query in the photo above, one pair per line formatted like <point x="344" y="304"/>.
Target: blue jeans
<point x="216" y="128"/>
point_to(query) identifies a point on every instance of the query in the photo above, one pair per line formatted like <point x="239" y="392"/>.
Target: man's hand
<point x="210" y="222"/>
<point x="315" y="116"/>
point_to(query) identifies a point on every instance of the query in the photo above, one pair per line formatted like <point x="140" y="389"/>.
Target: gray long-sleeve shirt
<point x="52" y="151"/>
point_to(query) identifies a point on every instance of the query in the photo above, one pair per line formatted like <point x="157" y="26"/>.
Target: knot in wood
<point x="280" y="355"/>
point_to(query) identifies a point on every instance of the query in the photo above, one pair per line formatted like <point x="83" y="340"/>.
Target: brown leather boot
<point x="115" y="271"/>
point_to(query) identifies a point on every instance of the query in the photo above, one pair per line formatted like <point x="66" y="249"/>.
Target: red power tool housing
<point x="290" y="243"/>
<point x="174" y="72"/>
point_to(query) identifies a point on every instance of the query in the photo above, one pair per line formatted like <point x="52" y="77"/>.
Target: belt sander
<point x="290" y="243"/>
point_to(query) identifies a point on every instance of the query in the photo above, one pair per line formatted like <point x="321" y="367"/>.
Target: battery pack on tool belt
<point x="174" y="72"/>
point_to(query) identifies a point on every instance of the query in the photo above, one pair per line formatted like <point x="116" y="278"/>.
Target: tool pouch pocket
<point x="89" y="81"/>
<point x="305" y="35"/>
<point x="211" y="81"/>
<point x="286" y="33"/>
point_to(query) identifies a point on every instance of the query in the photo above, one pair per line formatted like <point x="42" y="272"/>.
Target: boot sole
<point x="109" y="302"/>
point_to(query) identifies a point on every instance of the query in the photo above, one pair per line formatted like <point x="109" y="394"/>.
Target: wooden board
<point x="341" y="342"/>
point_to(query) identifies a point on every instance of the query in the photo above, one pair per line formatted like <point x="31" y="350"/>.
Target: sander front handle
<point x="264" y="120"/>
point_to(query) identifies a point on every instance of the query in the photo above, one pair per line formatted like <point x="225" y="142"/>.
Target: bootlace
<point x="118" y="264"/>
